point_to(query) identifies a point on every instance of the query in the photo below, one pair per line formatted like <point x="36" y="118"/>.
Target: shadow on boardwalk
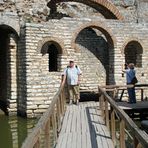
<point x="83" y="127"/>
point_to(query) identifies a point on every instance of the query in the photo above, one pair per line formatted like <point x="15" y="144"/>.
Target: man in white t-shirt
<point x="72" y="76"/>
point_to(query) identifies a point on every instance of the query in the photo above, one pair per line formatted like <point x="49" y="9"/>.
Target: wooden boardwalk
<point x="83" y="127"/>
<point x="142" y="105"/>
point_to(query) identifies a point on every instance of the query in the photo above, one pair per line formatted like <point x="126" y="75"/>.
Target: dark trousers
<point x="132" y="95"/>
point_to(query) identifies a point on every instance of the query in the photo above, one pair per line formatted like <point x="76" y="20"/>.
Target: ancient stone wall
<point x="38" y="11"/>
<point x="98" y="52"/>
<point x="42" y="84"/>
<point x="25" y="10"/>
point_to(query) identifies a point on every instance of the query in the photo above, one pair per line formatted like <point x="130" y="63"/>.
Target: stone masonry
<point x="97" y="34"/>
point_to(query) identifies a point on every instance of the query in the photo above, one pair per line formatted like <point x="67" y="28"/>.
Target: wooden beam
<point x="47" y="134"/>
<point x="107" y="114"/>
<point x="122" y="134"/>
<point x="113" y="126"/>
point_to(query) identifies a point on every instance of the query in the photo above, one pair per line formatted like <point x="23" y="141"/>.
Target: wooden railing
<point x="45" y="133"/>
<point x="111" y="112"/>
<point x="116" y="88"/>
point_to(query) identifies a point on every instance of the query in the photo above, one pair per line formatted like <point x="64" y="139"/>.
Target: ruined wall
<point x="42" y="84"/>
<point x="133" y="10"/>
<point x="38" y="11"/>
<point x="33" y="86"/>
<point x="25" y="10"/>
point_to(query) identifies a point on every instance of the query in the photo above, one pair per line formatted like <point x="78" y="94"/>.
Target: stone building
<point x="38" y="37"/>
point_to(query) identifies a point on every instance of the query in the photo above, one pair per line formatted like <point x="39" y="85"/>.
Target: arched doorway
<point x="8" y="74"/>
<point x="97" y="55"/>
<point x="133" y="53"/>
<point x="54" y="51"/>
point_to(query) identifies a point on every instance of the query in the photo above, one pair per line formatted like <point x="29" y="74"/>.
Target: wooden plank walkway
<point x="139" y="105"/>
<point x="83" y="127"/>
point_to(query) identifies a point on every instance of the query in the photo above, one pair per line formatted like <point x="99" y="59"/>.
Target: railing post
<point x="58" y="115"/>
<point x="102" y="105"/>
<point x="64" y="99"/>
<point x="54" y="125"/>
<point x="113" y="126"/>
<point x="61" y="103"/>
<point x="114" y="94"/>
<point x="122" y="134"/>
<point x="47" y="134"/>
<point x="142" y="94"/>
<point x="37" y="144"/>
<point x="136" y="143"/>
<point x="101" y="102"/>
<point x="107" y="114"/>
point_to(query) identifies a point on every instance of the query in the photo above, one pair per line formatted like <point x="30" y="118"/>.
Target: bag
<point x="134" y="80"/>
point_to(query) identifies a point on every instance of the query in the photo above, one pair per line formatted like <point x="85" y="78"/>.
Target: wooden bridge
<point x="87" y="125"/>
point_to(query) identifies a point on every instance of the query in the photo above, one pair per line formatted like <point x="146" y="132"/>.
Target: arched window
<point x="133" y="53"/>
<point x="53" y="58"/>
<point x="53" y="50"/>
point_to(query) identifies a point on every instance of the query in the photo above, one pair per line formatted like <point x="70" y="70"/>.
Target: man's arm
<point x="124" y="69"/>
<point x="63" y="77"/>
<point x="79" y="75"/>
<point x="79" y="78"/>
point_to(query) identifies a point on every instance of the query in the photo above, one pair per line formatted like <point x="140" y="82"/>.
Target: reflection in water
<point x="13" y="130"/>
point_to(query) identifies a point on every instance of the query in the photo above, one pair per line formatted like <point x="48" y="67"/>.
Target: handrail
<point x="115" y="89"/>
<point x="52" y="117"/>
<point x="140" y="137"/>
<point x="127" y="86"/>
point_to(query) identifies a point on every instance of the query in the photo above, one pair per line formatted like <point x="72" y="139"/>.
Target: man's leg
<point x="130" y="95"/>
<point x="133" y="95"/>
<point x="70" y="91"/>
<point x="77" y="93"/>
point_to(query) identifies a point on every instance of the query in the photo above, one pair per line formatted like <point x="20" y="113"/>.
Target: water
<point x="128" y="139"/>
<point x="14" y="130"/>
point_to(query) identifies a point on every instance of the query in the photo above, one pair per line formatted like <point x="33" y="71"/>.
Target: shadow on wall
<point x="7" y="62"/>
<point x="101" y="46"/>
<point x="21" y="75"/>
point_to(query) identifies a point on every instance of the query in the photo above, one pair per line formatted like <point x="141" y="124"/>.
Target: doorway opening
<point x="5" y="64"/>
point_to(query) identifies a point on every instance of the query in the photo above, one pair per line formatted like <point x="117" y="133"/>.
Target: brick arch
<point x="109" y="9"/>
<point x="9" y="28"/>
<point x="100" y="26"/>
<point x="133" y="54"/>
<point x="56" y="41"/>
<point x="131" y="39"/>
<point x="11" y="23"/>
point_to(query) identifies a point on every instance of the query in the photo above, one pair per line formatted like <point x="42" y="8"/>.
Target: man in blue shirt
<point x="72" y="76"/>
<point x="130" y="74"/>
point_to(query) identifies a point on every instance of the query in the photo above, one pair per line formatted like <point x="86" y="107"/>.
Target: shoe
<point x="130" y="102"/>
<point x="77" y="102"/>
<point x="70" y="102"/>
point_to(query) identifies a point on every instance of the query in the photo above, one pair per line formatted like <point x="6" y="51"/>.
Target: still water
<point x="13" y="130"/>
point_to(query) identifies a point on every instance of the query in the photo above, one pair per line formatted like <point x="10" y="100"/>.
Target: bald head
<point x="131" y="65"/>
